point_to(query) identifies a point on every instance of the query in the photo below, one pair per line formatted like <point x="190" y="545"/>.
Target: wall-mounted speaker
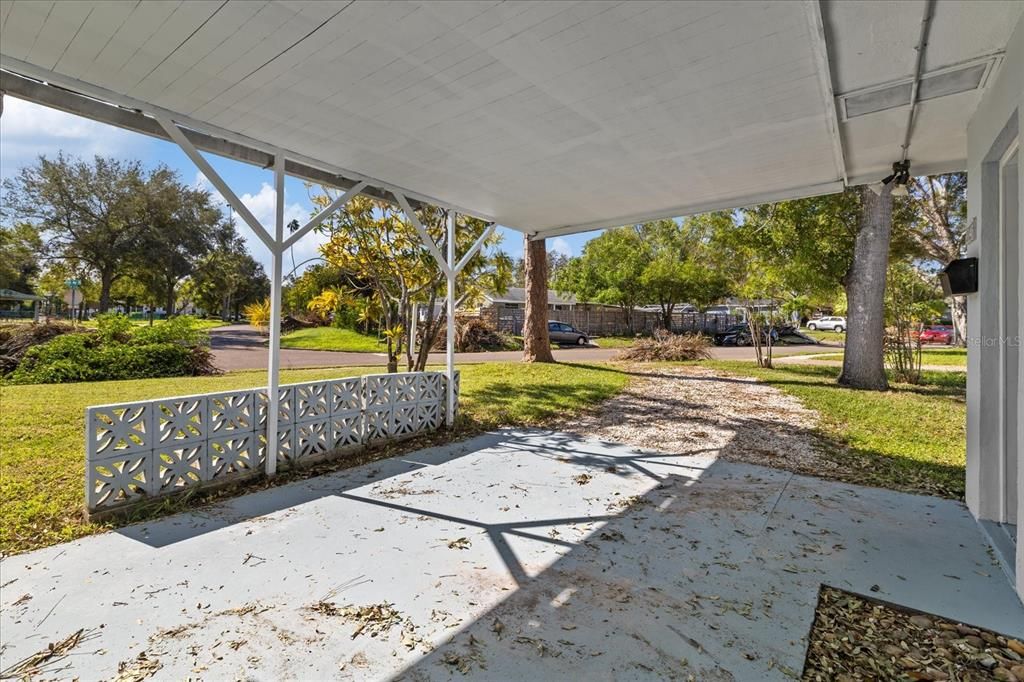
<point x="960" y="277"/>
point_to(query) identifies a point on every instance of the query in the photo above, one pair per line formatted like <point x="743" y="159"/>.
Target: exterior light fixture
<point x="899" y="178"/>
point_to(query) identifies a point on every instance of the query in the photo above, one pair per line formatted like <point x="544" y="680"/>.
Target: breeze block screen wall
<point x="138" y="451"/>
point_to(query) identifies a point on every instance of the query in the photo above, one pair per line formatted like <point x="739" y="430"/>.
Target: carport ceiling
<point x="549" y="117"/>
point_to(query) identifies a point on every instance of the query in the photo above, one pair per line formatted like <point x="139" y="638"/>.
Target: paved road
<point x="240" y="347"/>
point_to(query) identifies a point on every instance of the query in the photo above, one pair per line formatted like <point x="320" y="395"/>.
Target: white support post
<point x="274" y="364"/>
<point x="450" y="336"/>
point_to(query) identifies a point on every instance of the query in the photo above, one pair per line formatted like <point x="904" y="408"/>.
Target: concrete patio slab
<point x="519" y="554"/>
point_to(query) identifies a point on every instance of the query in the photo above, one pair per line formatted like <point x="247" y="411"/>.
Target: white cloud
<point x="560" y="245"/>
<point x="29" y="130"/>
<point x="263" y="205"/>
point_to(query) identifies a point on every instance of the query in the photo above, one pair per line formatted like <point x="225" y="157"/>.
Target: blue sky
<point x="28" y="131"/>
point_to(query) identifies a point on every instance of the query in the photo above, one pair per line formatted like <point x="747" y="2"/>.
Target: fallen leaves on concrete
<point x="459" y="543"/>
<point x="138" y="669"/>
<point x="370" y="619"/>
<point x="54" y="651"/>
<point x="857" y="638"/>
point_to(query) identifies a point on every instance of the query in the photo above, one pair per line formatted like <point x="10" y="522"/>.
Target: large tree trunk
<point x="169" y="303"/>
<point x="536" y="342"/>
<point x="106" y="282"/>
<point x="863" y="360"/>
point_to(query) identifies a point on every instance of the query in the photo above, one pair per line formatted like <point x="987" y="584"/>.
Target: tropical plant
<point x="258" y="314"/>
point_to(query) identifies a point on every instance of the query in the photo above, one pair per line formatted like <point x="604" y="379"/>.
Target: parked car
<point x="836" y="324"/>
<point x="937" y="334"/>
<point x="563" y="333"/>
<point x="739" y="335"/>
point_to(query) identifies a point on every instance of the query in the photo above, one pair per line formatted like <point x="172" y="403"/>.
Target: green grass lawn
<point x="947" y="357"/>
<point x="41" y="429"/>
<point x="614" y="341"/>
<point x="826" y="336"/>
<point x="332" y="338"/>
<point x="910" y="437"/>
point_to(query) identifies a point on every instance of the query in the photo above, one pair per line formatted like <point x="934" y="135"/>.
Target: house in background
<point x="515" y="299"/>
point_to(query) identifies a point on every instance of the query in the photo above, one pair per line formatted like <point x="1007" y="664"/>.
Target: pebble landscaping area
<point x="855" y="638"/>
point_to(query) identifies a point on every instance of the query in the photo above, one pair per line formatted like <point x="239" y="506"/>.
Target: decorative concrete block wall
<point x="142" y="450"/>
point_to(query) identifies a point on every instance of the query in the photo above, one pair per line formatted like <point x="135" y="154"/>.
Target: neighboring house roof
<point x="12" y="295"/>
<point x="518" y="295"/>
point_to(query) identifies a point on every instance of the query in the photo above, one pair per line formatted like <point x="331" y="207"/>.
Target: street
<point x="240" y="347"/>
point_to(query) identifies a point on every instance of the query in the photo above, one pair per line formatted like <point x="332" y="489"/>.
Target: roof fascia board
<point x="693" y="209"/>
<point x="249" y="150"/>
<point x="819" y="47"/>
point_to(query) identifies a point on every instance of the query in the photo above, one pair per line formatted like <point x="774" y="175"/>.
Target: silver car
<point x="562" y="333"/>
<point x="836" y="324"/>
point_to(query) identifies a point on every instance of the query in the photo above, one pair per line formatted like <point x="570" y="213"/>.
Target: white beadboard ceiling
<point x="548" y="117"/>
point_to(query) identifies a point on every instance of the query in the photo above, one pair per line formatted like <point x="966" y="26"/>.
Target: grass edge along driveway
<point x="42" y="457"/>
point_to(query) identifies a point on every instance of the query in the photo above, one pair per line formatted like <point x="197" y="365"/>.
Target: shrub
<point x="668" y="348"/>
<point x="114" y="327"/>
<point x="182" y="329"/>
<point x="175" y="348"/>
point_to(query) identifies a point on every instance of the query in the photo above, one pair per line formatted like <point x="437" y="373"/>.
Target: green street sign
<point x="72" y="283"/>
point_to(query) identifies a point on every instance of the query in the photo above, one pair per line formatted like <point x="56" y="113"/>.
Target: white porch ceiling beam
<point x="174" y="132"/>
<point x="692" y="209"/>
<point x="324" y="214"/>
<point x="820" y="48"/>
<point x="47" y="78"/>
<point x="424" y="235"/>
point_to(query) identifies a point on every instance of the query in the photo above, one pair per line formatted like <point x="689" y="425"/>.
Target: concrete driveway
<point x="239" y="347"/>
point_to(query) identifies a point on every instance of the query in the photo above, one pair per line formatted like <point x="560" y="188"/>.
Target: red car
<point x="937" y="334"/>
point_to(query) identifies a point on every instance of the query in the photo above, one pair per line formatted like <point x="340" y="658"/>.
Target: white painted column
<point x="274" y="364"/>
<point x="450" y="336"/>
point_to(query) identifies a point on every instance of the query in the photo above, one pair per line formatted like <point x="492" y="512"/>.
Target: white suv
<point x="836" y="324"/>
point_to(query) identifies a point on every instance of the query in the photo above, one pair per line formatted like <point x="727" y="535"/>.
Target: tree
<point x="181" y="224"/>
<point x="818" y="245"/>
<point x="20" y="246"/>
<point x="380" y="255"/>
<point x="228" y="277"/>
<point x="937" y="228"/>
<point x="610" y="270"/>
<point x="863" y="359"/>
<point x="536" y="339"/>
<point x="92" y="212"/>
<point x="556" y="261"/>
<point x="677" y="270"/>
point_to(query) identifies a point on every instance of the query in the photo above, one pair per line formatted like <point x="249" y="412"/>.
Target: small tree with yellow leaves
<point x="382" y="258"/>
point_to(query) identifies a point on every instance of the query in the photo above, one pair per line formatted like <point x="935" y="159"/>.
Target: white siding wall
<point x="996" y="123"/>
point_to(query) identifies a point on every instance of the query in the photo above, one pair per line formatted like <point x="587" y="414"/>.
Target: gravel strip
<point x="700" y="411"/>
<point x="856" y="638"/>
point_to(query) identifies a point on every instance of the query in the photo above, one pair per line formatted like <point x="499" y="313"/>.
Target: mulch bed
<point x="859" y="638"/>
